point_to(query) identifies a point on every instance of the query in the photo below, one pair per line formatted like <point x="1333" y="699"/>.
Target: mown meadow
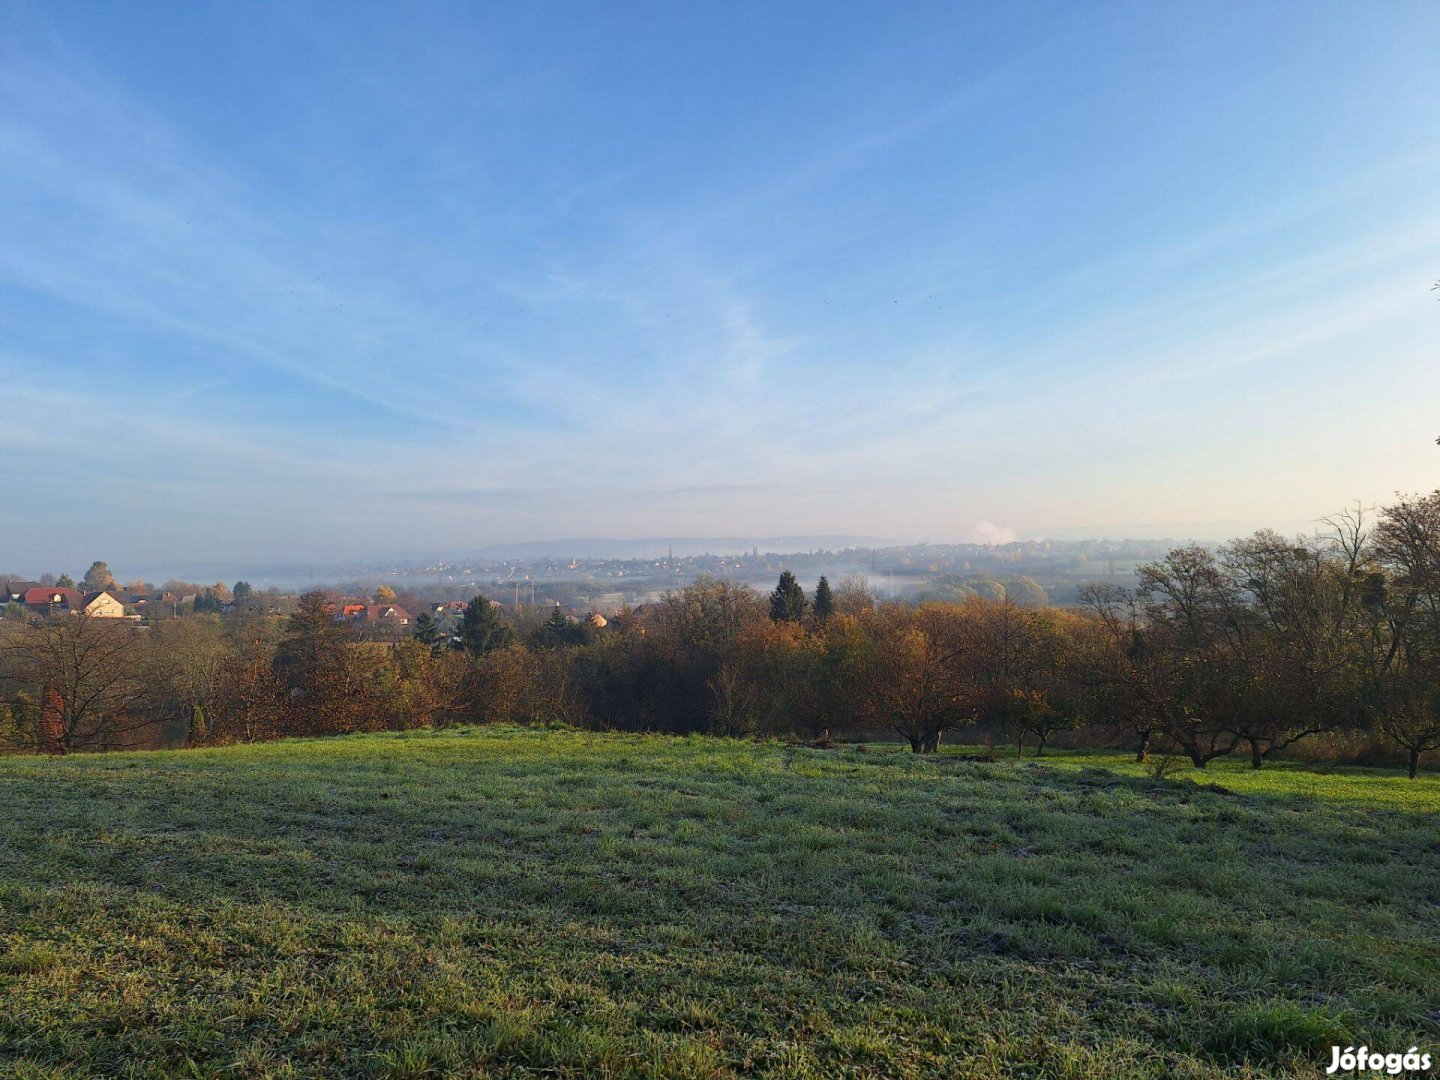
<point x="507" y="902"/>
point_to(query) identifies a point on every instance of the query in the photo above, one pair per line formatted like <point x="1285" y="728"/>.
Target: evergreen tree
<point x="787" y="602"/>
<point x="314" y="639"/>
<point x="429" y="632"/>
<point x="65" y="581"/>
<point x="556" y="632"/>
<point x="824" y="604"/>
<point x="482" y="630"/>
<point x="242" y="590"/>
<point x="208" y="603"/>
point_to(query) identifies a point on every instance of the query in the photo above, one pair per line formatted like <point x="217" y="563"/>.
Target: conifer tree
<point x="429" y="632"/>
<point x="557" y="632"/>
<point x="787" y="602"/>
<point x="824" y="602"/>
<point x="482" y="630"/>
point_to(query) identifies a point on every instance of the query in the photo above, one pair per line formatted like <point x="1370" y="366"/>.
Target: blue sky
<point x="297" y="281"/>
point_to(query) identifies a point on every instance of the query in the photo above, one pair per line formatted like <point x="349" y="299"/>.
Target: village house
<point x="47" y="599"/>
<point x="62" y="600"/>
<point x="102" y="605"/>
<point x="372" y="615"/>
<point x="386" y="615"/>
<point x="13" y="592"/>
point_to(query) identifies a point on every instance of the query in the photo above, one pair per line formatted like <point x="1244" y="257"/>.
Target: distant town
<point x="381" y="597"/>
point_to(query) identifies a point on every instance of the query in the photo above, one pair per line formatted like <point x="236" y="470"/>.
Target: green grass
<point x="501" y="902"/>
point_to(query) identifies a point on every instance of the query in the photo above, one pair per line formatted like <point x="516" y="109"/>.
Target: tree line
<point x="1254" y="646"/>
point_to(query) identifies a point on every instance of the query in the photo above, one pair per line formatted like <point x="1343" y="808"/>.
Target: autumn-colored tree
<point x="97" y="577"/>
<point x="909" y="679"/>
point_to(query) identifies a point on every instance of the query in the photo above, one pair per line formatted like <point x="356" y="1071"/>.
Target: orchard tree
<point x="93" y="680"/>
<point x="909" y="679"/>
<point x="1132" y="674"/>
<point x="1186" y="604"/>
<point x="1289" y="665"/>
<point x="1405" y="614"/>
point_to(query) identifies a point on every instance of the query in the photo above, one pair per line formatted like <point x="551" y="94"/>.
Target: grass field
<point x="495" y="903"/>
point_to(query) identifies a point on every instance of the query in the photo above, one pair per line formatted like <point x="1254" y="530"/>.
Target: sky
<point x="300" y="281"/>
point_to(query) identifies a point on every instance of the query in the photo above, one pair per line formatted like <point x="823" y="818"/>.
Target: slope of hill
<point x="496" y="903"/>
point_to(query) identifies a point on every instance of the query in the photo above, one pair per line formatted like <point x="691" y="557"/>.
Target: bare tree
<point x="733" y="710"/>
<point x="1403" y="658"/>
<point x="94" y="680"/>
<point x="1132" y="677"/>
<point x="854" y="596"/>
<point x="1185" y="602"/>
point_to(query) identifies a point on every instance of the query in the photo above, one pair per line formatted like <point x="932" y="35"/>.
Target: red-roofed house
<point x="386" y="615"/>
<point x="53" y="598"/>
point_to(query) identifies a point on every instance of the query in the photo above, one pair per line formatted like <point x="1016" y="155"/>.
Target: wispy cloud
<point x="500" y="324"/>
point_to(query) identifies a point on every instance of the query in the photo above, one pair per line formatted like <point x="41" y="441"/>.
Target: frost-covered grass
<point x="505" y="902"/>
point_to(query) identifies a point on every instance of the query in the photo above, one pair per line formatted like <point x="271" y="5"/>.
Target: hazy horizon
<point x="291" y="283"/>
<point x="328" y="571"/>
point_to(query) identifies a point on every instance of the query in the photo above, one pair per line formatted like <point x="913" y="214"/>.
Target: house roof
<point x="48" y="595"/>
<point x="388" y="612"/>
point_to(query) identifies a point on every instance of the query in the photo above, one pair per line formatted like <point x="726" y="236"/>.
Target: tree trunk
<point x="50" y="731"/>
<point x="1040" y="746"/>
<point x="1143" y="750"/>
<point x="1414" y="764"/>
<point x="917" y="744"/>
<point x="1257" y="759"/>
